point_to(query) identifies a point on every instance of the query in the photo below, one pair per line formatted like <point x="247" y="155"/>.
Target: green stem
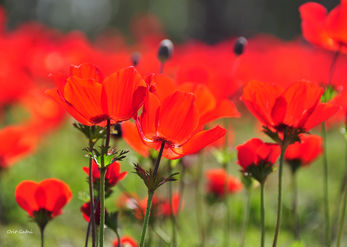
<point x="102" y="206"/>
<point x="102" y="185"/>
<point x="91" y="196"/>
<point x="262" y="214"/>
<point x="325" y="187"/>
<point x="172" y="215"/>
<point x="42" y="236"/>
<point x="146" y="219"/>
<point x="118" y="238"/>
<point x="227" y="220"/>
<point x="279" y="201"/>
<point x="150" y="197"/>
<point x="342" y="219"/>
<point x="199" y="205"/>
<point x="296" y="225"/>
<point x="245" y="218"/>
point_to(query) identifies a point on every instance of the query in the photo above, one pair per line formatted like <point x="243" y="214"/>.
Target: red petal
<point x="123" y="93"/>
<point x="86" y="71"/>
<point x="178" y="118"/>
<point x="133" y="138"/>
<point x="85" y="96"/>
<point x="224" y="109"/>
<point x="24" y="195"/>
<point x="53" y="93"/>
<point x="197" y="142"/>
<point x="322" y="112"/>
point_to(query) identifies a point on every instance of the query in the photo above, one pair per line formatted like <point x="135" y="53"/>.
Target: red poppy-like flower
<point x="220" y="184"/>
<point x="126" y="241"/>
<point x="304" y="152"/>
<point x="91" y="99"/>
<point x="257" y="158"/>
<point x="297" y="107"/>
<point x="15" y="143"/>
<point x="85" y="209"/>
<point x="133" y="138"/>
<point x="165" y="207"/>
<point x="112" y="175"/>
<point x="323" y="29"/>
<point x="43" y="200"/>
<point x="256" y="152"/>
<point x="175" y="121"/>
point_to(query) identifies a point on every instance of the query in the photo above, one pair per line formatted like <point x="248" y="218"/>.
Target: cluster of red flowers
<point x="170" y="111"/>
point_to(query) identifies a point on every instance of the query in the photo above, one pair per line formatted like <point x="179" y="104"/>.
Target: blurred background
<point x="206" y="20"/>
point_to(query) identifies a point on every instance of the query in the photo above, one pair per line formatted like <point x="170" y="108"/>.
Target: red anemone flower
<point x="304" y="152"/>
<point x="256" y="152"/>
<point x="257" y="158"/>
<point x="112" y="176"/>
<point x="92" y="100"/>
<point x="126" y="241"/>
<point x="220" y="184"/>
<point x="323" y="29"/>
<point x="43" y="201"/>
<point x="175" y="121"/>
<point x="297" y="107"/>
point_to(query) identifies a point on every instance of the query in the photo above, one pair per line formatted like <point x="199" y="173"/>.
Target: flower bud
<point x="165" y="50"/>
<point x="135" y="58"/>
<point x="240" y="45"/>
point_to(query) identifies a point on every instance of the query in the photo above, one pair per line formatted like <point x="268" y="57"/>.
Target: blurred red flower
<point x="112" y="177"/>
<point x="255" y="152"/>
<point x="15" y="143"/>
<point x="91" y="99"/>
<point x="323" y="29"/>
<point x="165" y="207"/>
<point x="220" y="184"/>
<point x="175" y="121"/>
<point x="304" y="152"/>
<point x="47" y="197"/>
<point x="297" y="107"/>
<point x="126" y="241"/>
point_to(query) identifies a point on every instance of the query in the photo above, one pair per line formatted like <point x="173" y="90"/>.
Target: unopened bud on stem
<point x="240" y="45"/>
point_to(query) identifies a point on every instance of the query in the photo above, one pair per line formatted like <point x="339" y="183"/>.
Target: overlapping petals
<point x="327" y="30"/>
<point x="255" y="153"/>
<point x="297" y="107"/>
<point x="50" y="195"/>
<point x="92" y="100"/>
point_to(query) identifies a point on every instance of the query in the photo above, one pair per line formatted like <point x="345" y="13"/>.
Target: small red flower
<point x="126" y="241"/>
<point x="220" y="184"/>
<point x="256" y="152"/>
<point x="323" y="29"/>
<point x="91" y="99"/>
<point x="303" y="153"/>
<point x="174" y="120"/>
<point x="43" y="201"/>
<point x="257" y="158"/>
<point x="297" y="107"/>
<point x="112" y="176"/>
